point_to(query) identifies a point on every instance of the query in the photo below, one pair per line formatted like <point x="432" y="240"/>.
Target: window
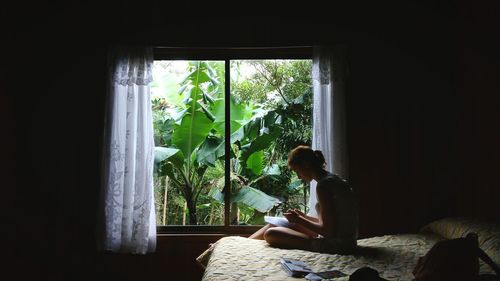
<point x="224" y="121"/>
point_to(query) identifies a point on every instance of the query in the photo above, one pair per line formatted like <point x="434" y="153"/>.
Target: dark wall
<point x="401" y="137"/>
<point x="477" y="71"/>
<point x="423" y="123"/>
<point x="422" y="119"/>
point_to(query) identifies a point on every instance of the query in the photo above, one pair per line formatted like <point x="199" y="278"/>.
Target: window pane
<point x="271" y="107"/>
<point x="188" y="113"/>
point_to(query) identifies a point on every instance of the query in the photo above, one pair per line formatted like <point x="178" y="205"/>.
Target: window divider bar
<point x="227" y="143"/>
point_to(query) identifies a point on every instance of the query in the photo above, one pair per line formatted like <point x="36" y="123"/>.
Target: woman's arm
<point x="294" y="217"/>
<point x="310" y="218"/>
<point x="325" y="191"/>
<point x="325" y="223"/>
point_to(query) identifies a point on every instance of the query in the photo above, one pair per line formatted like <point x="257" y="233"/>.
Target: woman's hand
<point x="293" y="216"/>
<point x="299" y="212"/>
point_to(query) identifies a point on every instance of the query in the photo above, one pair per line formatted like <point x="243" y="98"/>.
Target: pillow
<point x="488" y="233"/>
<point x="202" y="259"/>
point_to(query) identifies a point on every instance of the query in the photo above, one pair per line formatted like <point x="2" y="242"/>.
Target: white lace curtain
<point x="129" y="213"/>
<point x="329" y="122"/>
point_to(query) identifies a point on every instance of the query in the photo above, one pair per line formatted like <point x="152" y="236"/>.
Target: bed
<point x="394" y="256"/>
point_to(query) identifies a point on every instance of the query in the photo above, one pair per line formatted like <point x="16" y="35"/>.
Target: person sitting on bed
<point x="335" y="229"/>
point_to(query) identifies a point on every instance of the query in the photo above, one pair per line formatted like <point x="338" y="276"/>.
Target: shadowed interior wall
<point x="422" y="121"/>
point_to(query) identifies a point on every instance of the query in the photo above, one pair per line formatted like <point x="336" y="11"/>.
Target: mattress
<point x="239" y="258"/>
<point x="393" y="256"/>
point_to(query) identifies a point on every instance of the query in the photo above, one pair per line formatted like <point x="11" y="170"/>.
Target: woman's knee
<point x="286" y="238"/>
<point x="271" y="235"/>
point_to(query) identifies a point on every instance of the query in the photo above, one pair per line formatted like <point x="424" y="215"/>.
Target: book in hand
<point x="277" y="221"/>
<point x="295" y="268"/>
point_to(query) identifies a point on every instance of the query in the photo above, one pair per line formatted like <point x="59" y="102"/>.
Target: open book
<point x="277" y="221"/>
<point x="295" y="268"/>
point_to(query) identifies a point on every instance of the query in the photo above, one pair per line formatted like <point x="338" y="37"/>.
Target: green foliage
<point x="274" y="81"/>
<point x="270" y="114"/>
<point x="186" y="160"/>
<point x="285" y="87"/>
<point x="191" y="133"/>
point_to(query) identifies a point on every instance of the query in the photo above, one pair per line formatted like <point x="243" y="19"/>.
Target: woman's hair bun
<point x="303" y="154"/>
<point x="320" y="156"/>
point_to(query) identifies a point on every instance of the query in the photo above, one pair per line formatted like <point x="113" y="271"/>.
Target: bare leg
<point x="283" y="237"/>
<point x="306" y="231"/>
<point x="259" y="234"/>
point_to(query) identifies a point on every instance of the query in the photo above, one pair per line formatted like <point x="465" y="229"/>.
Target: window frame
<point x="226" y="55"/>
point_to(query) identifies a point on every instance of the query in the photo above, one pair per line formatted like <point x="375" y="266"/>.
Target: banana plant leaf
<point x="192" y="131"/>
<point x="255" y="162"/>
<point x="261" y="142"/>
<point x="163" y="153"/>
<point x="249" y="196"/>
<point x="240" y="115"/>
<point x="255" y="198"/>
<point x="216" y="194"/>
<point x="211" y="150"/>
<point x="295" y="185"/>
<point x="172" y="156"/>
<point x="198" y="76"/>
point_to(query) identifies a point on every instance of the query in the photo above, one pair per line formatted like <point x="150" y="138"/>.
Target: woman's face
<point x="304" y="173"/>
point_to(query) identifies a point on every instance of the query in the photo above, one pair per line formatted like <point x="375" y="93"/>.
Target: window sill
<point x="197" y="230"/>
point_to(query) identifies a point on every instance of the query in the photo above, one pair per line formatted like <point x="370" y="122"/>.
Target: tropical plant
<point x="249" y="142"/>
<point x="284" y="87"/>
<point x="193" y="139"/>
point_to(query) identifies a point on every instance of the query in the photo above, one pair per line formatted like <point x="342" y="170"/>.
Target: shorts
<point x="333" y="245"/>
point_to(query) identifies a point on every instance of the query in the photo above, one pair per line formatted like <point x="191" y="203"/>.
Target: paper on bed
<point x="295" y="268"/>
<point x="278" y="221"/>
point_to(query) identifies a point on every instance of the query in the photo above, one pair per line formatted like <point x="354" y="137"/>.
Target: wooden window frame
<point x="226" y="55"/>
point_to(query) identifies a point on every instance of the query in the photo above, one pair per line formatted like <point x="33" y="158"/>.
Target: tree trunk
<point x="233" y="217"/>
<point x="165" y="202"/>
<point x="211" y="215"/>
<point x="191" y="205"/>
<point x="184" y="214"/>
<point x="192" y="213"/>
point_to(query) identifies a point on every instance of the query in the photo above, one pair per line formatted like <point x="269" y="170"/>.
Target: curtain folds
<point x="330" y="70"/>
<point x="128" y="197"/>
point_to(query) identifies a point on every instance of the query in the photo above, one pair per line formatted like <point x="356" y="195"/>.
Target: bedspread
<point x="393" y="256"/>
<point x="239" y="258"/>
